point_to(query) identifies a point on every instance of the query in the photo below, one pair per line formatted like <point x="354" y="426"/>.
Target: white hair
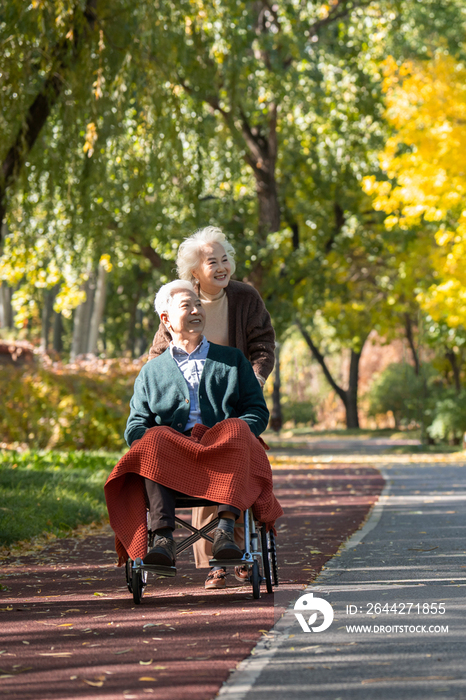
<point x="190" y="251"/>
<point x="164" y="296"/>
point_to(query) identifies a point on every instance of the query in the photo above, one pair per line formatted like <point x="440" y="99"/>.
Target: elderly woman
<point x="235" y="316"/>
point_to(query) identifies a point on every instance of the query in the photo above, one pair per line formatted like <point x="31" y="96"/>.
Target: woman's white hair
<point x="164" y="296"/>
<point x="190" y="251"/>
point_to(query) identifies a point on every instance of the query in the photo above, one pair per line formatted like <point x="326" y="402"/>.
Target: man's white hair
<point x="190" y="251"/>
<point x="164" y="296"/>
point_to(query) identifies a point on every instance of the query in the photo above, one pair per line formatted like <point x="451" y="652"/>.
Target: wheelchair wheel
<point x="273" y="557"/>
<point x="266" y="560"/>
<point x="256" y="581"/>
<point x="129" y="574"/>
<point x="139" y="580"/>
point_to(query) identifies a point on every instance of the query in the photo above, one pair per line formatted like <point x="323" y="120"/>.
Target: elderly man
<point x="193" y="382"/>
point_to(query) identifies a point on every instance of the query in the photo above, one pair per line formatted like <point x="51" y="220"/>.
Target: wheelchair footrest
<point x="160" y="570"/>
<point x="231" y="562"/>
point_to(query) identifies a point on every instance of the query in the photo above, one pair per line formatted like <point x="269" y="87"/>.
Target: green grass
<point x="439" y="448"/>
<point x="51" y="492"/>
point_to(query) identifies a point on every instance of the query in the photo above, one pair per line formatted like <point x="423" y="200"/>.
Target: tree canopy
<point x="326" y="140"/>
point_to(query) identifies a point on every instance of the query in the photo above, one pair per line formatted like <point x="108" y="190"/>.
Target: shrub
<point x="398" y="389"/>
<point x="449" y="417"/>
<point x="65" y="408"/>
<point x="300" y="412"/>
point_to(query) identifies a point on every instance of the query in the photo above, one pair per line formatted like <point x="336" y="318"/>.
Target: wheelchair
<point x="260" y="555"/>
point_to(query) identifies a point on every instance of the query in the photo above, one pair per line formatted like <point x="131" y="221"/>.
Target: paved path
<point x="69" y="628"/>
<point x="400" y="572"/>
<point x="340" y="446"/>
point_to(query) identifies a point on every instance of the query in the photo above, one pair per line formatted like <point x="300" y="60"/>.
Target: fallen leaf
<point x="122" y="651"/>
<point x="100" y="594"/>
<point x="56" y="653"/>
<point x="7" y="609"/>
<point x="159" y="668"/>
<point x="73" y="610"/>
<point x="146" y="663"/>
<point x="96" y="684"/>
<point x="147" y="678"/>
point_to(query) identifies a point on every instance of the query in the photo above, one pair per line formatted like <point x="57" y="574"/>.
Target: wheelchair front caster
<point x="138" y="581"/>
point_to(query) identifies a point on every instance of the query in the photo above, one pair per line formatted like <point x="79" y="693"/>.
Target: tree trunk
<point x="321" y="360"/>
<point x="269" y="207"/>
<point x="87" y="314"/>
<point x="82" y="316"/>
<point x="349" y="397"/>
<point x="352" y="418"/>
<point x="6" y="309"/>
<point x="410" y="338"/>
<point x="276" y="419"/>
<point x="57" y="332"/>
<point x="47" y="316"/>
<point x="339" y="223"/>
<point x="77" y="330"/>
<point x="451" y="356"/>
<point x="98" y="310"/>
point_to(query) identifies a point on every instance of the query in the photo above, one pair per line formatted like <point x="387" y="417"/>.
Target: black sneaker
<point x="224" y="546"/>
<point x="163" y="553"/>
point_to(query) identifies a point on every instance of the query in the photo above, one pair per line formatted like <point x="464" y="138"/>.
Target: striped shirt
<point x="192" y="366"/>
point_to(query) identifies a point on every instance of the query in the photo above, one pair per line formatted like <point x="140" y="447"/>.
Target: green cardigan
<point x="228" y="389"/>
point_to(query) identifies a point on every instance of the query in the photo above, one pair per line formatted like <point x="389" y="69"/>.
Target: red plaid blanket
<point x="226" y="464"/>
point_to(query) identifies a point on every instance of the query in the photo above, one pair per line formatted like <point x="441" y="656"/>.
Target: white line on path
<point x="243" y="678"/>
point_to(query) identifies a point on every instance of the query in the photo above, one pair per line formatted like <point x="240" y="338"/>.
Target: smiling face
<point x="214" y="270"/>
<point x="185" y="319"/>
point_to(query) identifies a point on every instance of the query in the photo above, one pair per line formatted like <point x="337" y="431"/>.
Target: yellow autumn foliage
<point x="425" y="165"/>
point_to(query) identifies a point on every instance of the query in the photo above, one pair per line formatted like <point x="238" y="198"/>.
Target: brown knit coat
<point x="249" y="328"/>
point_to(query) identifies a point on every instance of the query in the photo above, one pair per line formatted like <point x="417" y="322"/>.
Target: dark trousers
<point x="161" y="501"/>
